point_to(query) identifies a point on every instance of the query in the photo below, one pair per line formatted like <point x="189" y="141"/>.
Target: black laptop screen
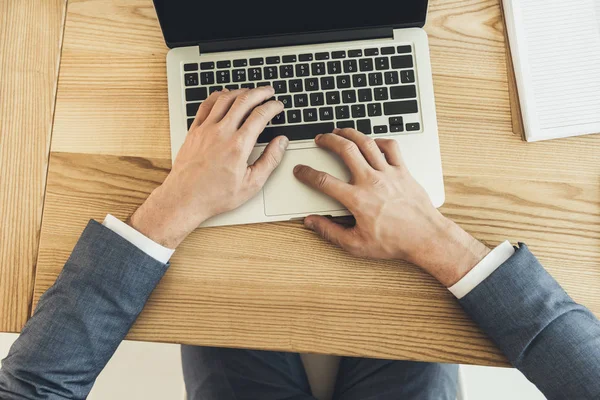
<point x="186" y="22"/>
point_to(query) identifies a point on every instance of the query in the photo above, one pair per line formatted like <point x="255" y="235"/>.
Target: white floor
<point x="152" y="371"/>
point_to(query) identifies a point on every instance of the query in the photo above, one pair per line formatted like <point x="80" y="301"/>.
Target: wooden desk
<point x="277" y="286"/>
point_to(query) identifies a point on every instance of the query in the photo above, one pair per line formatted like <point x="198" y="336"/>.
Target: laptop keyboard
<point x="371" y="89"/>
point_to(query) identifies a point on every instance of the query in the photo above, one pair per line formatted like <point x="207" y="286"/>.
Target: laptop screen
<point x="187" y="22"/>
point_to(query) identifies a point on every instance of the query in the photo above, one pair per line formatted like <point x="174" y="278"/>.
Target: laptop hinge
<point x="295" y="40"/>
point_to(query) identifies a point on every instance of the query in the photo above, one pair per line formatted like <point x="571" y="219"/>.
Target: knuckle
<point x="244" y="98"/>
<point x="322" y="180"/>
<point x="350" y="148"/>
<point x="370" y="144"/>
<point x="261" y="112"/>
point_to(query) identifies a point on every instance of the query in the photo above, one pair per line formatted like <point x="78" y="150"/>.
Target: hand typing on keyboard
<point x="394" y="216"/>
<point x="210" y="175"/>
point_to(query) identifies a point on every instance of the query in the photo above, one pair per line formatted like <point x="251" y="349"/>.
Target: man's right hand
<point x="395" y="218"/>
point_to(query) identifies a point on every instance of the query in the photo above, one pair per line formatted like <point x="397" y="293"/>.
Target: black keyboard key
<point x="334" y="67"/>
<point x="374" y="110"/>
<point x="273" y="60"/>
<point x="247" y="85"/>
<point x="333" y="97"/>
<point x="391" y="78"/>
<point x="396" y="121"/>
<point x="190" y="121"/>
<point x="302" y="70"/>
<point x="407" y="76"/>
<point x="359" y="111"/>
<point x="350" y="66"/>
<point x="255" y="74"/>
<point x="270" y="73"/>
<point x="322" y="56"/>
<point x="403" y="92"/>
<point x="326" y="113"/>
<point x="364" y="126"/>
<point x="317" y="99"/>
<point x="399" y="62"/>
<point x="381" y="93"/>
<point x="375" y="79"/>
<point x="280" y="87"/>
<point x="207" y="78"/>
<point x="239" y="75"/>
<point x="396" y="128"/>
<point x="224" y="64"/>
<point x="400" y="107"/>
<point x="257" y="61"/>
<point x="289" y="59"/>
<point x="365" y="95"/>
<point x="279" y="119"/>
<point x="349" y="96"/>
<point x="327" y="83"/>
<point x="196" y="94"/>
<point x="296" y="86"/>
<point x="262" y="84"/>
<point x="342" y="112"/>
<point x="345" y="124"/>
<point x="286" y="100"/>
<point x="223" y="76"/>
<point x="382" y="63"/>
<point x="338" y="54"/>
<point x="213" y="89"/>
<point x="240" y="63"/>
<point x="294" y="116"/>
<point x="232" y="87"/>
<point x="286" y="71"/>
<point x="301" y="100"/>
<point x="404" y="49"/>
<point x="343" y="82"/>
<point x="318" y="68"/>
<point x="359" y="80"/>
<point x="386" y="51"/>
<point x="311" y="115"/>
<point x="207" y="65"/>
<point x="371" y="52"/>
<point x="191" y="79"/>
<point x="311" y="84"/>
<point x="192" y="109"/>
<point x="190" y="67"/>
<point x="366" y="64"/>
<point x="380" y="128"/>
<point x="415" y="126"/>
<point x="295" y="132"/>
<point x="355" y="53"/>
<point x="306" y="57"/>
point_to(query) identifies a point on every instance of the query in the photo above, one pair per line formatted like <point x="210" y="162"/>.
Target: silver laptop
<point x="332" y="65"/>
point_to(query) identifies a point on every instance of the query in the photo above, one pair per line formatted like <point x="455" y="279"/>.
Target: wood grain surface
<point x="30" y="37"/>
<point x="277" y="286"/>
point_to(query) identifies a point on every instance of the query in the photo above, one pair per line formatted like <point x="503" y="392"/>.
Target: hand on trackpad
<point x="284" y="194"/>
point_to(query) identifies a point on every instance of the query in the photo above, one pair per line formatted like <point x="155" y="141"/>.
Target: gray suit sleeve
<point x="80" y="321"/>
<point x="554" y="341"/>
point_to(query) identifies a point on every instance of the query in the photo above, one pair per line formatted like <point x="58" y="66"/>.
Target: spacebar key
<point x="295" y="132"/>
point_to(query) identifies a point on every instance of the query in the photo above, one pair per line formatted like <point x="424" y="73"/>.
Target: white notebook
<point x="555" y="46"/>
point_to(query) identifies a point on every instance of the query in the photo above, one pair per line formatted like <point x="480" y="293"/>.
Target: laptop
<point x="332" y="64"/>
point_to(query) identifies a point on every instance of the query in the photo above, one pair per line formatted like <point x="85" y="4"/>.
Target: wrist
<point x="452" y="253"/>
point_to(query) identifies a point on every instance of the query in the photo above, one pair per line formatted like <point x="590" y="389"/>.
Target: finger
<point x="259" y="118"/>
<point x="323" y="182"/>
<point x="224" y="103"/>
<point x="391" y="150"/>
<point x="328" y="230"/>
<point x="261" y="170"/>
<point x="205" y="108"/>
<point x="247" y="102"/>
<point x="347" y="150"/>
<point x="367" y="147"/>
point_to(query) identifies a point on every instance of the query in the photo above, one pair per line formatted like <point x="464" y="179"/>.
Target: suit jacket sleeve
<point x="554" y="341"/>
<point x="80" y="321"/>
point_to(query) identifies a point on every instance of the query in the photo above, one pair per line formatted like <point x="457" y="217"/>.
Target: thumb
<point x="270" y="159"/>
<point x="328" y="230"/>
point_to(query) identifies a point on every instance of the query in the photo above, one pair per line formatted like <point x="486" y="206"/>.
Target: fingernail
<point x="336" y="130"/>
<point x="297" y="168"/>
<point x="318" y="136"/>
<point x="284" y="142"/>
<point x="309" y="224"/>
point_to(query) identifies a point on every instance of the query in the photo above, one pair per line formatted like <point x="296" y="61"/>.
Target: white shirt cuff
<point x="145" y="244"/>
<point x="483" y="270"/>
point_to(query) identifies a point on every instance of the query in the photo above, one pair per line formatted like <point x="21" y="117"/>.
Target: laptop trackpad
<point x="284" y="194"/>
